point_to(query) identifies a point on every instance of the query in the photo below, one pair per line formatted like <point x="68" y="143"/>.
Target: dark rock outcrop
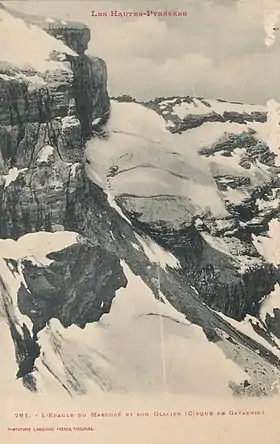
<point x="194" y="120"/>
<point x="221" y="273"/>
<point x="37" y="199"/>
<point x="90" y="91"/>
<point x="273" y="322"/>
<point x="76" y="288"/>
<point x="73" y="34"/>
<point x="253" y="149"/>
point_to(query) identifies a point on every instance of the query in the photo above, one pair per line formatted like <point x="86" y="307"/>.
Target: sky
<point x="217" y="51"/>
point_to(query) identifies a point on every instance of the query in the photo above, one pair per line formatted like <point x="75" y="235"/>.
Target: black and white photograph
<point x="140" y="200"/>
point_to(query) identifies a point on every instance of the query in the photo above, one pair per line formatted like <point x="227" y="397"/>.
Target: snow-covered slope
<point x="137" y="165"/>
<point x="142" y="345"/>
<point x="107" y="355"/>
<point x="144" y="159"/>
<point x="37" y="49"/>
<point x="174" y="178"/>
<point x="182" y="107"/>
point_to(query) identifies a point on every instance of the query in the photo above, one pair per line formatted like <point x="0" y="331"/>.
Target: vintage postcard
<point x="140" y="221"/>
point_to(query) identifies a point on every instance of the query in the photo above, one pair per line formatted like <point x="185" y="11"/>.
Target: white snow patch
<point x="135" y="246"/>
<point x="62" y="57"/>
<point x="45" y="153"/>
<point x="246" y="328"/>
<point x="157" y="254"/>
<point x="35" y="45"/>
<point x="96" y="121"/>
<point x="5" y="77"/>
<point x="217" y="243"/>
<point x="208" y="134"/>
<point x="114" y="205"/>
<point x="73" y="169"/>
<point x="270" y="302"/>
<point x="112" y="235"/>
<point x="234" y="196"/>
<point x="37" y="245"/>
<point x="197" y="107"/>
<point x="69" y="121"/>
<point x="273" y="128"/>
<point x="184" y="109"/>
<point x="170" y="124"/>
<point x="221" y="107"/>
<point x="12" y="175"/>
<point x="268" y="247"/>
<point x="173" y="100"/>
<point x="21" y="270"/>
<point x="165" y="103"/>
<point x="269" y="132"/>
<point x="264" y="204"/>
<point x="34" y="81"/>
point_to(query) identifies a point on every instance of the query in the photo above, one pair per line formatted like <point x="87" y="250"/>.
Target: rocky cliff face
<point x="153" y="234"/>
<point x="48" y="106"/>
<point x="61" y="291"/>
<point x="45" y="117"/>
